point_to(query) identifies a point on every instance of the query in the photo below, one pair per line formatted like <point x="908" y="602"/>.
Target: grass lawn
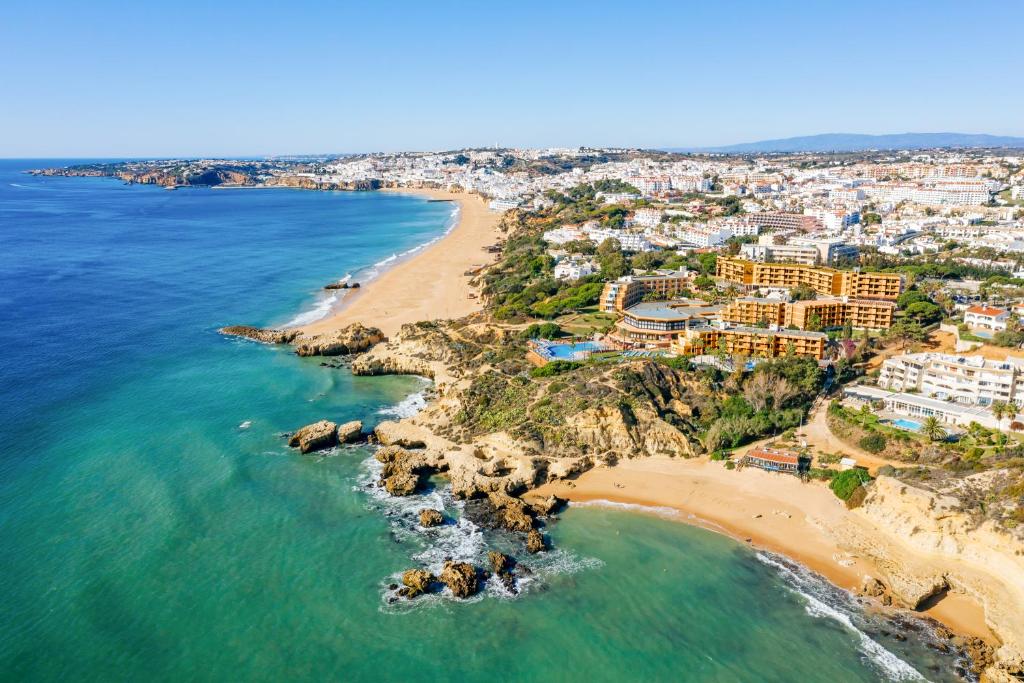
<point x="585" y="322"/>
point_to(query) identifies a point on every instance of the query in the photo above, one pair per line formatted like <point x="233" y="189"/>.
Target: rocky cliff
<point x="924" y="544"/>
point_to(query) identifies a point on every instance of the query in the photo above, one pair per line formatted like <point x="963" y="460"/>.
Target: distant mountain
<point x="855" y="142"/>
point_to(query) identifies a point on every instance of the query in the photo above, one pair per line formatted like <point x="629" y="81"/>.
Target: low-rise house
<point x="968" y="380"/>
<point x="773" y="459"/>
<point x="574" y="269"/>
<point x="986" y="318"/>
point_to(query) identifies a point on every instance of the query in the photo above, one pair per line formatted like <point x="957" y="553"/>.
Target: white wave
<point x="660" y="511"/>
<point x="245" y="425"/>
<point x="407" y="407"/>
<point x="801" y="581"/>
<point x="319" y="311"/>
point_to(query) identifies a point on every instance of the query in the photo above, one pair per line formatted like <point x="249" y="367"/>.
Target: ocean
<point x="155" y="526"/>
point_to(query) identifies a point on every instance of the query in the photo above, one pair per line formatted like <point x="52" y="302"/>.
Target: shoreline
<point x="765" y="511"/>
<point x="430" y="282"/>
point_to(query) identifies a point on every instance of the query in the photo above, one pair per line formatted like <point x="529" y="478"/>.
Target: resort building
<point x="815" y="314"/>
<point x="654" y="325"/>
<point x="750" y="341"/>
<point x="823" y="280"/>
<point x="784" y="221"/>
<point x="986" y="318"/>
<point x="573" y="269"/>
<point x="630" y="290"/>
<point x="921" y="407"/>
<point x="968" y="380"/>
<point x="800" y="250"/>
<point x="773" y="459"/>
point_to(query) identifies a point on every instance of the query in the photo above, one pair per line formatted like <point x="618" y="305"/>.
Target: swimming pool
<point x="909" y="425"/>
<point x="577" y="351"/>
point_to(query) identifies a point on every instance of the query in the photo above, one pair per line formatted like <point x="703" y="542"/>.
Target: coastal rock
<point x="416" y="582"/>
<point x="872" y="587"/>
<point x="429" y="518"/>
<point x="499" y="511"/>
<point x="500" y="562"/>
<point x="398" y="434"/>
<point x="402" y="484"/>
<point x="350" y="431"/>
<point x="265" y="336"/>
<point x="460" y="578"/>
<point x="315" y="437"/>
<point x="915" y="589"/>
<point x="534" y="541"/>
<point x="545" y="506"/>
<point x="355" y="338"/>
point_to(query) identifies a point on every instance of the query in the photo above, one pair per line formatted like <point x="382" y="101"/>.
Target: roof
<point x="986" y="311"/>
<point x="667" y="310"/>
<point x="775" y="455"/>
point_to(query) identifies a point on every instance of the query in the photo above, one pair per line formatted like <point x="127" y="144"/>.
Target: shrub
<point x="730" y="465"/>
<point x="845" y="483"/>
<point x="555" y="367"/>
<point x="873" y="443"/>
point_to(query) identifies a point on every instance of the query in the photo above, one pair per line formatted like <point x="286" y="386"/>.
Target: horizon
<point x="143" y="82"/>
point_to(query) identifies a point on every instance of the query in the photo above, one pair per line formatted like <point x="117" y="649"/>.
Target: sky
<point x="141" y="79"/>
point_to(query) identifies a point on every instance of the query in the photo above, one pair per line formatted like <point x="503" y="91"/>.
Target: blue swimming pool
<point x="909" y="425"/>
<point x="577" y="351"/>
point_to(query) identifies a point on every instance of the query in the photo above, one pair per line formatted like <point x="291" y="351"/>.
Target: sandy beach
<point x="429" y="285"/>
<point x="772" y="511"/>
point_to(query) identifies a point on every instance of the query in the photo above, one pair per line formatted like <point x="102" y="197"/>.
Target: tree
<point x="803" y="293"/>
<point x="905" y="331"/>
<point x="933" y="429"/>
<point x="998" y="409"/>
<point x="704" y="282"/>
<point x="924" y="312"/>
<point x="845" y="483"/>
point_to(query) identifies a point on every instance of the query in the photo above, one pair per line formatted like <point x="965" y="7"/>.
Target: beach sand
<point x="429" y="285"/>
<point x="776" y="512"/>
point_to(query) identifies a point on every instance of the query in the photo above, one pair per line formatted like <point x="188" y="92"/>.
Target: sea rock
<point x="499" y="511"/>
<point x="429" y="518"/>
<point x="315" y="437"/>
<point x="265" y="336"/>
<point x="416" y="582"/>
<point x="545" y="506"/>
<point x="355" y="338"/>
<point x="350" y="431"/>
<point x="500" y="562"/>
<point x="915" y="589"/>
<point x="398" y="434"/>
<point x="534" y="541"/>
<point x="872" y="587"/>
<point x="460" y="578"/>
<point x="401" y="484"/>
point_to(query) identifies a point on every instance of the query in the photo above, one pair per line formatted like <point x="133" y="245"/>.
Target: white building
<point x="647" y="217"/>
<point x="503" y="204"/>
<point x="986" y="318"/>
<point x="573" y="269"/>
<point x="705" y="237"/>
<point x="969" y="380"/>
<point x="921" y="407"/>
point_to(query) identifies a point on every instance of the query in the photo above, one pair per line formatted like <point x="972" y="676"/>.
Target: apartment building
<point x="773" y="220"/>
<point x="630" y="290"/>
<point x="816" y="314"/>
<point x="750" y="341"/>
<point x="825" y="281"/>
<point x="970" y="380"/>
<point x="648" y="217"/>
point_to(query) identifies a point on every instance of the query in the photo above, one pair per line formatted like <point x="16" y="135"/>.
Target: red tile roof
<point x="774" y="455"/>
<point x="986" y="311"/>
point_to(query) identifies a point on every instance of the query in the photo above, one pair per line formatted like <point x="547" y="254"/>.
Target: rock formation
<point x="500" y="562"/>
<point x="315" y="437"/>
<point x="265" y="336"/>
<point x="350" y="432"/>
<point x="429" y="518"/>
<point x="460" y="578"/>
<point x="355" y="338"/>
<point x="401" y="484"/>
<point x="534" y="541"/>
<point x="416" y="582"/>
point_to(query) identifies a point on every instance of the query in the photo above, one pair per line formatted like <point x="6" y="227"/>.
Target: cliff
<point x="924" y="544"/>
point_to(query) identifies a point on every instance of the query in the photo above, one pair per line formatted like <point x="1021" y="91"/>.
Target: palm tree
<point x="1011" y="410"/>
<point x="998" y="409"/>
<point x="932" y="428"/>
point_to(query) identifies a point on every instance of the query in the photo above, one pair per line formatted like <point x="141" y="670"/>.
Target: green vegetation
<point x="845" y="483"/>
<point x="541" y="331"/>
<point x="555" y="367"/>
<point x="873" y="443"/>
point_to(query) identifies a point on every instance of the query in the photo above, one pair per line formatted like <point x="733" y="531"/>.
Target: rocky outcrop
<point x="401" y="483"/>
<point x="461" y="579"/>
<point x="500" y="562"/>
<point x="416" y="582"/>
<point x="398" y="434"/>
<point x="265" y="336"/>
<point x="355" y="338"/>
<point x="543" y="507"/>
<point x="350" y="432"/>
<point x="315" y="437"/>
<point x="923" y="544"/>
<point x="430" y="518"/>
<point x="499" y="511"/>
<point x="535" y="541"/>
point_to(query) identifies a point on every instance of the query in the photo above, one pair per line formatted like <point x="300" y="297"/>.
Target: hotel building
<point x="630" y="290"/>
<point x="750" y="341"/>
<point x="824" y="281"/>
<point x="970" y="380"/>
<point x="654" y="325"/>
<point x="823" y="313"/>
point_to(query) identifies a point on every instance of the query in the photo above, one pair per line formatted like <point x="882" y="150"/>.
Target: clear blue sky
<point x="254" y="78"/>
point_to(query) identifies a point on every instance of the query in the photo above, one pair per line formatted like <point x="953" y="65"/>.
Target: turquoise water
<point x="575" y="351"/>
<point x="911" y="425"/>
<point x="153" y="525"/>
